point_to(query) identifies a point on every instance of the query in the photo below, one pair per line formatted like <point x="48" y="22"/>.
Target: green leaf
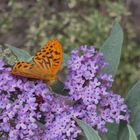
<point x="41" y="125"/>
<point x="112" y="132"/>
<point x="123" y="133"/>
<point x="111" y="49"/>
<point x="132" y="135"/>
<point x="65" y="59"/>
<point x="81" y="138"/>
<point x="20" y="53"/>
<point x="89" y="132"/>
<point x="138" y="137"/>
<point x="58" y="87"/>
<point x="133" y="103"/>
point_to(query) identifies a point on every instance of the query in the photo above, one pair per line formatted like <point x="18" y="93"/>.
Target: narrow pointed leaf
<point x="111" y="49"/>
<point x="123" y="133"/>
<point x="112" y="132"/>
<point x="133" y="103"/>
<point x="89" y="132"/>
<point x="132" y="135"/>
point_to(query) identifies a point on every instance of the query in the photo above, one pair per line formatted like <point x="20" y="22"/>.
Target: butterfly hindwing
<point x="28" y="70"/>
<point x="23" y="69"/>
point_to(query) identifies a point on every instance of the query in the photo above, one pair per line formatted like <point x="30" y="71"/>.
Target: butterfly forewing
<point x="50" y="57"/>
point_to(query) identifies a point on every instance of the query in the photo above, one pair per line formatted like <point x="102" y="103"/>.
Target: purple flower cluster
<point x="90" y="88"/>
<point x="30" y="110"/>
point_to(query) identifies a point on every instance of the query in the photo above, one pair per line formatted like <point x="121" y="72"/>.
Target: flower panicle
<point x="30" y="110"/>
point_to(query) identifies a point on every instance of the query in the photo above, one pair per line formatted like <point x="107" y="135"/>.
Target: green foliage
<point x="133" y="102"/>
<point x="65" y="59"/>
<point x="112" y="49"/>
<point x="89" y="132"/>
<point x="112" y="134"/>
<point x="7" y="55"/>
<point x="123" y="131"/>
<point x="132" y="135"/>
<point x="20" y="53"/>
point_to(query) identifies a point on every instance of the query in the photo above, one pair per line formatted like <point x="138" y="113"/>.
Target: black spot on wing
<point x="37" y="58"/>
<point x="18" y="63"/>
<point x="56" y="59"/>
<point x="49" y="57"/>
<point x="57" y="53"/>
<point x="57" y="62"/>
<point x="43" y="56"/>
<point x="43" y="50"/>
<point x="55" y="65"/>
<point x="25" y="66"/>
<point x="39" y="53"/>
<point x="19" y="66"/>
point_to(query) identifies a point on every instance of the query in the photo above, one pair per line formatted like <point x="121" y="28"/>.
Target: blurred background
<point x="28" y="24"/>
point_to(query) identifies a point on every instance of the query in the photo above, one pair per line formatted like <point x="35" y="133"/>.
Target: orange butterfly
<point x="46" y="65"/>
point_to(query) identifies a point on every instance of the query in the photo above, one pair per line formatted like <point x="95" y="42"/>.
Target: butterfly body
<point x="47" y="63"/>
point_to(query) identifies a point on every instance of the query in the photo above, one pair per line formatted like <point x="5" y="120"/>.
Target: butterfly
<point x="47" y="63"/>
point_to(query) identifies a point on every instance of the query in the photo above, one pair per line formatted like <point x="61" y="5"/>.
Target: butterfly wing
<point x="27" y="70"/>
<point x="49" y="58"/>
<point x="47" y="63"/>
